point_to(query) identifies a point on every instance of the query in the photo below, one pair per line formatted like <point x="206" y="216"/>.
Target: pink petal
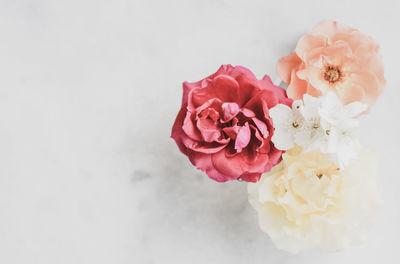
<point x="230" y="110"/>
<point x="208" y="129"/>
<point x="203" y="147"/>
<point x="177" y="131"/>
<point x="250" y="177"/>
<point x="247" y="112"/>
<point x="243" y="137"/>
<point x="258" y="136"/>
<point x="189" y="128"/>
<point x="261" y="126"/>
<point x="249" y="87"/>
<point x="231" y="131"/>
<point x="205" y="163"/>
<point x="222" y="87"/>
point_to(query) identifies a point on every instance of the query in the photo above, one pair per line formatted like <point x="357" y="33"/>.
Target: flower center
<point x="332" y="74"/>
<point x="328" y="172"/>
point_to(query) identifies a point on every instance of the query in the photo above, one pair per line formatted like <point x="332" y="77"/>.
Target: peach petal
<point x="286" y="65"/>
<point x="296" y="88"/>
<point x="350" y="92"/>
<point x="369" y="83"/>
<point x="329" y="28"/>
<point x="307" y="44"/>
<point x="315" y="78"/>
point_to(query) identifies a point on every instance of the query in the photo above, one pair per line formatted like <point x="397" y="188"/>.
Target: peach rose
<point x="334" y="57"/>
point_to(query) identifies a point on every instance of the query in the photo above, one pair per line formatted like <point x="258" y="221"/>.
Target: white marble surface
<point x="88" y="94"/>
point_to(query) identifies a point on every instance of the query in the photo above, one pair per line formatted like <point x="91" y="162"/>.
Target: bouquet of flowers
<point x="309" y="179"/>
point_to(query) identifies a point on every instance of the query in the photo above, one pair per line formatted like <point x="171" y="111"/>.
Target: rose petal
<point x="250" y="177"/>
<point x="307" y="44"/>
<point x="286" y="65"/>
<point x="208" y="129"/>
<point x="328" y="28"/>
<point x="203" y="147"/>
<point x="231" y="132"/>
<point x="261" y="126"/>
<point x="297" y="87"/>
<point x="189" y="128"/>
<point x="247" y="113"/>
<point x="204" y="162"/>
<point x="223" y="87"/>
<point x="249" y="87"/>
<point x="230" y="110"/>
<point x="177" y="132"/>
<point x="243" y="137"/>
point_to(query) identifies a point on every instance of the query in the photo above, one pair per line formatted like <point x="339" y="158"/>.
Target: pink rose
<point x="224" y="126"/>
<point x="338" y="58"/>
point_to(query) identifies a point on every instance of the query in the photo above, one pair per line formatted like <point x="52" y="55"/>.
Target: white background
<point x="88" y="94"/>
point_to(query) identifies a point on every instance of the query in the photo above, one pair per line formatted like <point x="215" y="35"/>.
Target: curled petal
<point x="230" y="110"/>
<point x="208" y="129"/>
<point x="243" y="137"/>
<point x="286" y="65"/>
<point x="190" y="129"/>
<point x="261" y="126"/>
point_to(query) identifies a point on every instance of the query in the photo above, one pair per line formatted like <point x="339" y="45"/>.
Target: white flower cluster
<point x="321" y="123"/>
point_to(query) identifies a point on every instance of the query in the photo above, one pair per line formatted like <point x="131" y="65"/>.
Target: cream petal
<point x="332" y="212"/>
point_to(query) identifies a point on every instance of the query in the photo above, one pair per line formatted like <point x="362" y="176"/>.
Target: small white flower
<point x="340" y="123"/>
<point x="288" y="124"/>
<point x="312" y="126"/>
<point x="322" y="123"/>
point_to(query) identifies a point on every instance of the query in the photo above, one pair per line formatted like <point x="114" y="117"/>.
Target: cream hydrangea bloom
<point x="308" y="202"/>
